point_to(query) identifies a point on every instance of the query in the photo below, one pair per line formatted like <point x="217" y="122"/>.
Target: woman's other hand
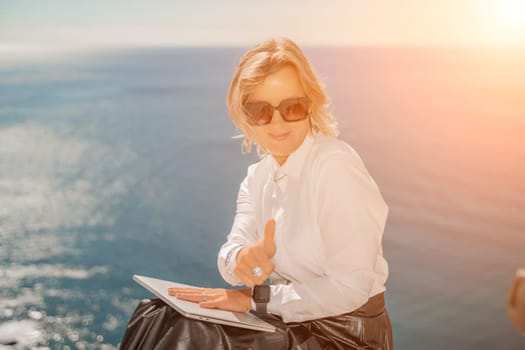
<point x="237" y="300"/>
<point x="516" y="301"/>
<point x="256" y="255"/>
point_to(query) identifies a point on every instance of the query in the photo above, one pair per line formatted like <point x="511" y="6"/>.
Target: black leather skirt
<point x="155" y="325"/>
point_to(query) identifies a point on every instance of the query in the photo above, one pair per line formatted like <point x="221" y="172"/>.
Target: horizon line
<point x="6" y="47"/>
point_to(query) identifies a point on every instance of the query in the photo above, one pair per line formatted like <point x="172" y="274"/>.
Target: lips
<point x="280" y="137"/>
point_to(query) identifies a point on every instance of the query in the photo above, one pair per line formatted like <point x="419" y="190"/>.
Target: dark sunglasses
<point x="291" y="109"/>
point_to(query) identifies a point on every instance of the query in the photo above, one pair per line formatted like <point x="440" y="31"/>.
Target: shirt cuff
<point x="231" y="260"/>
<point x="281" y="295"/>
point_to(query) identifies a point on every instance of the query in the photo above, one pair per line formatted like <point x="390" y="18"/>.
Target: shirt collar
<point x="294" y="163"/>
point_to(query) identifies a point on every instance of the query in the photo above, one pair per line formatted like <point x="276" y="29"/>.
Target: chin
<point x="284" y="151"/>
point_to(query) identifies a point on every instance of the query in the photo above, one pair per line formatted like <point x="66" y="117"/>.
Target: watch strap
<point x="261" y="308"/>
<point x="259" y="301"/>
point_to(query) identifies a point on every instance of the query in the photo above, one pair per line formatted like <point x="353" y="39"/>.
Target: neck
<point x="280" y="159"/>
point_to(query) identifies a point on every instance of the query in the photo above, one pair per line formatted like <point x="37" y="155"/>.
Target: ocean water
<point x="121" y="162"/>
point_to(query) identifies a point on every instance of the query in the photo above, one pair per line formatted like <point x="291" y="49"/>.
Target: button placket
<point x="278" y="199"/>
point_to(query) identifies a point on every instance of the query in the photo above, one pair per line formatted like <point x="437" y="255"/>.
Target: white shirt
<point x="330" y="217"/>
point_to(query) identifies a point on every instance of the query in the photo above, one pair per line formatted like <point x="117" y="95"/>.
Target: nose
<point x="277" y="118"/>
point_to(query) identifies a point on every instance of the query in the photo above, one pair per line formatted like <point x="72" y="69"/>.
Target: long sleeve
<point x="243" y="232"/>
<point x="351" y="214"/>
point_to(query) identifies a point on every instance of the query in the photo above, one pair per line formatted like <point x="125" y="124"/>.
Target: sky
<point x="245" y="22"/>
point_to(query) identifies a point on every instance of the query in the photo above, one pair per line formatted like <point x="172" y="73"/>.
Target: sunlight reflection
<point x="53" y="184"/>
<point x="44" y="185"/>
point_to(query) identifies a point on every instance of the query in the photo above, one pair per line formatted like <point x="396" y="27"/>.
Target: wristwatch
<point x="261" y="297"/>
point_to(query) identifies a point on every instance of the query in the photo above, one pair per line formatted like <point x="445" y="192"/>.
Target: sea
<point x="124" y="161"/>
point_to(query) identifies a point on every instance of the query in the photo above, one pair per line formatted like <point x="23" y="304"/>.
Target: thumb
<point x="269" y="238"/>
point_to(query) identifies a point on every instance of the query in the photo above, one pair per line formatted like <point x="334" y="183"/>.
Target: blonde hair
<point x="267" y="58"/>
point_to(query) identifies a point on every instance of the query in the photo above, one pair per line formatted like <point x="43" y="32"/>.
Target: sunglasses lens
<point x="259" y="113"/>
<point x="295" y="109"/>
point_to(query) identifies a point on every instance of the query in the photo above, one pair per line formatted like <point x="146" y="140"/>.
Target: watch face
<point x="261" y="293"/>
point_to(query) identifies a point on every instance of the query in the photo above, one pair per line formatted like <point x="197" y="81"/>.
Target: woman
<point x="309" y="217"/>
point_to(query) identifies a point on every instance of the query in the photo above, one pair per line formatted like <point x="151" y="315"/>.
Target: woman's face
<point x="279" y="137"/>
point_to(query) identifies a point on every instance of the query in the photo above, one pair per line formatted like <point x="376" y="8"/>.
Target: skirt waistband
<point x="373" y="307"/>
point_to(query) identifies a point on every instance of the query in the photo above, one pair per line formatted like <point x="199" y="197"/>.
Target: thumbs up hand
<point x="254" y="264"/>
